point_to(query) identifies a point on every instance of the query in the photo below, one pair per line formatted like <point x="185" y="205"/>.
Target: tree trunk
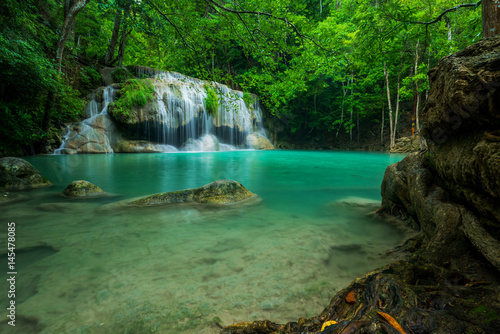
<point x="121" y="50"/>
<point x="417" y="121"/>
<point x="386" y="74"/>
<point x="66" y="28"/>
<point x="344" y="92"/>
<point x="67" y="5"/>
<point x="114" y="38"/>
<point x="397" y="96"/>
<point x="383" y="121"/>
<point x="491" y="17"/>
<point x="352" y="106"/>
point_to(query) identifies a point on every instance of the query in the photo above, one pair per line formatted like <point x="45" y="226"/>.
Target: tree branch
<point x="440" y="16"/>
<point x="172" y="24"/>
<point x="283" y="19"/>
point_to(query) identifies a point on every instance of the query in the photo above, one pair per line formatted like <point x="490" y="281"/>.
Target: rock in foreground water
<point x="18" y="174"/>
<point x="82" y="189"/>
<point x="218" y="192"/>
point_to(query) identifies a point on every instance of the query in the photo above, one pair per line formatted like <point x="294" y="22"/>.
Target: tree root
<point x="487" y="245"/>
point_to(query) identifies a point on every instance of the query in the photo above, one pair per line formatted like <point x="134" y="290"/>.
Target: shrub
<point x="211" y="101"/>
<point x="119" y="75"/>
<point x="135" y="93"/>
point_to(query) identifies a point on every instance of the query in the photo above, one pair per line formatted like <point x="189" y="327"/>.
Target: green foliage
<point x="249" y="100"/>
<point x="34" y="97"/>
<point x="321" y="74"/>
<point x="136" y="93"/>
<point x="89" y="79"/>
<point x="119" y="75"/>
<point x="212" y="100"/>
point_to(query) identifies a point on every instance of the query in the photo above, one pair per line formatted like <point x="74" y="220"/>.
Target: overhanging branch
<point x="440" y="16"/>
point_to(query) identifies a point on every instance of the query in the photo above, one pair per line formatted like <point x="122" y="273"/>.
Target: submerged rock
<point x="18" y="174"/>
<point x="8" y="197"/>
<point x="82" y="189"/>
<point x="259" y="142"/>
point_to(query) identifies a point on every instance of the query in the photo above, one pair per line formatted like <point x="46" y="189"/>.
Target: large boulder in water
<point x="259" y="142"/>
<point x="82" y="189"/>
<point x="18" y="174"/>
<point x="220" y="192"/>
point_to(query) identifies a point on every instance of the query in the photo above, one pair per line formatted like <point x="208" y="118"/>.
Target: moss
<point x="119" y="75"/>
<point x="487" y="314"/>
<point x="136" y="93"/>
<point x="211" y="101"/>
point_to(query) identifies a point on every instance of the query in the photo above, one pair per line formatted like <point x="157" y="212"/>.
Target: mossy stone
<point x="82" y="189"/>
<point x="18" y="174"/>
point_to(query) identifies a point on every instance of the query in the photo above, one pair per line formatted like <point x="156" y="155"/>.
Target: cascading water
<point x="96" y="134"/>
<point x="181" y="118"/>
<point x="176" y="119"/>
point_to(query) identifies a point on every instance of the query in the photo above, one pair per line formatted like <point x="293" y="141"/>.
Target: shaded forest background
<point x="325" y="70"/>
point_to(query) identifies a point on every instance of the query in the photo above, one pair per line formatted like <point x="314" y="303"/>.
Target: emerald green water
<point x="173" y="270"/>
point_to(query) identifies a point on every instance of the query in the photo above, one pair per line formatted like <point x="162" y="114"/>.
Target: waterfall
<point x="182" y="119"/>
<point x="176" y="119"/>
<point x="96" y="134"/>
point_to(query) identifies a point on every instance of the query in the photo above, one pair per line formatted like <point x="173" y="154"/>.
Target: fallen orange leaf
<point x="327" y="323"/>
<point x="351" y="298"/>
<point x="392" y="322"/>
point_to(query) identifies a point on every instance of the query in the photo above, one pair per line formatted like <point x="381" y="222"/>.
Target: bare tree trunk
<point x="448" y="26"/>
<point x="114" y="38"/>
<point x="383" y="121"/>
<point x="491" y="17"/>
<point x="66" y="28"/>
<point x="397" y="96"/>
<point x="417" y="121"/>
<point x="67" y="5"/>
<point x="352" y="106"/>
<point x="386" y="74"/>
<point x="344" y="92"/>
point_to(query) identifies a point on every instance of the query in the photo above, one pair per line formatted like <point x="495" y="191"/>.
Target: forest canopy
<point x="320" y="67"/>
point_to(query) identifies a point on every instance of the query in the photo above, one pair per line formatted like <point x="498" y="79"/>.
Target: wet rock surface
<point x="449" y="194"/>
<point x="259" y="142"/>
<point x="218" y="192"/>
<point x="82" y="189"/>
<point x="18" y="174"/>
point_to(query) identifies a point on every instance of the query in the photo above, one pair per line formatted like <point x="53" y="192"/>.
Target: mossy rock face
<point x="18" y="174"/>
<point x="82" y="189"/>
<point x="221" y="192"/>
<point x="218" y="192"/>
